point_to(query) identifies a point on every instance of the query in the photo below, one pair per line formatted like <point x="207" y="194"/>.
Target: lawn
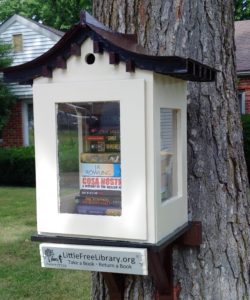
<point x="21" y="275"/>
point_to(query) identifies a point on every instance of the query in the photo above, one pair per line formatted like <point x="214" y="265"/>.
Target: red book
<point x="94" y="138"/>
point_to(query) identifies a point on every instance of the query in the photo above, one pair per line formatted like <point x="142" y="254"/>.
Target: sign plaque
<point x="94" y="258"/>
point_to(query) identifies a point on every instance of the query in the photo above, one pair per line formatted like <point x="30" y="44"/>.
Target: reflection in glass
<point x="89" y="158"/>
<point x="168" y="130"/>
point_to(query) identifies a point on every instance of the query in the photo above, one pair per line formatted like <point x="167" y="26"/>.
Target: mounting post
<point x="115" y="284"/>
<point x="160" y="266"/>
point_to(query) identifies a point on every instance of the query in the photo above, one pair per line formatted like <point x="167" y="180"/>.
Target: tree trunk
<point x="217" y="179"/>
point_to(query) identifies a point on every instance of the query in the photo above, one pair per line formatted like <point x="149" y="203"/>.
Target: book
<point x="105" y="131"/>
<point x="100" y="183"/>
<point x="102" y="146"/>
<point x="112" y="138"/>
<point x="100" y="157"/>
<point x="113" y="212"/>
<point x="97" y="210"/>
<point x="99" y="201"/>
<point x="101" y="193"/>
<point x="107" y="138"/>
<point x="94" y="138"/>
<point x="106" y="170"/>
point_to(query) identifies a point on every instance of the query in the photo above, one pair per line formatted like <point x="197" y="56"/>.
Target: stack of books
<point x="100" y="176"/>
<point x="101" y="202"/>
<point x="102" y="143"/>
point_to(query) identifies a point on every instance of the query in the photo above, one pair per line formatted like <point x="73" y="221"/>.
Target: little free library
<point x="111" y="151"/>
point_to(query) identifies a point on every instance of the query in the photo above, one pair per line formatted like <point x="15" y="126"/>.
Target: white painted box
<point x="98" y="116"/>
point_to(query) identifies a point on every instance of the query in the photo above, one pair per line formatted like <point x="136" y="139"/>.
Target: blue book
<point x="99" y="201"/>
<point x="100" y="170"/>
<point x="97" y="210"/>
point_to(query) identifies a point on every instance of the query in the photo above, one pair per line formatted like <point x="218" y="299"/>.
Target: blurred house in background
<point x="29" y="40"/>
<point x="242" y="41"/>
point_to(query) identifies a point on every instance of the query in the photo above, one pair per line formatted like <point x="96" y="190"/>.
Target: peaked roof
<point x="39" y="27"/>
<point x="121" y="47"/>
<point x="242" y="41"/>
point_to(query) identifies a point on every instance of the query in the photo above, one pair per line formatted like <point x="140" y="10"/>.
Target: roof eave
<point x="183" y="68"/>
<point x="243" y="73"/>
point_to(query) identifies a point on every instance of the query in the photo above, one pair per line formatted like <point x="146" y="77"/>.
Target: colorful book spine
<point x="105" y="131"/>
<point x="101" y="193"/>
<point x="97" y="210"/>
<point x="101" y="183"/>
<point x="100" y="158"/>
<point x="107" y="138"/>
<point x="112" y="138"/>
<point x="97" y="200"/>
<point x="94" y="138"/>
<point x="103" y="147"/>
<point x="101" y="170"/>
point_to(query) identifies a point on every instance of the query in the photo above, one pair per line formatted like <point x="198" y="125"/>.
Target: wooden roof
<point x="121" y="47"/>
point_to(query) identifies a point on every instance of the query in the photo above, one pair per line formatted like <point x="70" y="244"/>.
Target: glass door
<point x="89" y="158"/>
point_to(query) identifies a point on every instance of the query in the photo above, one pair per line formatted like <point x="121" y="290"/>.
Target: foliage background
<point x="242" y="10"/>
<point x="17" y="166"/>
<point x="246" y="136"/>
<point x="6" y="97"/>
<point x="60" y="14"/>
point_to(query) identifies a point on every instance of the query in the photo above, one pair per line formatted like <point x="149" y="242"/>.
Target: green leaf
<point x="60" y="14"/>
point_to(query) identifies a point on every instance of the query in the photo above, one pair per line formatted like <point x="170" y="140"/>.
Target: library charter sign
<point x="94" y="258"/>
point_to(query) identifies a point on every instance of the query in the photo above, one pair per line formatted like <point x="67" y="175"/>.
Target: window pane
<point x="242" y="102"/>
<point x="17" y="42"/>
<point x="89" y="158"/>
<point x="168" y="153"/>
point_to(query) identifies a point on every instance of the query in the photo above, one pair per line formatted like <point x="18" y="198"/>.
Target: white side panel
<point x="132" y="224"/>
<point x="172" y="213"/>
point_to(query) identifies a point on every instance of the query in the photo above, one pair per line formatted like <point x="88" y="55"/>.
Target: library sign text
<point x="94" y="258"/>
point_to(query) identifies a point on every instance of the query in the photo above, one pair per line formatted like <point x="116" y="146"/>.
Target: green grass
<point x="21" y="275"/>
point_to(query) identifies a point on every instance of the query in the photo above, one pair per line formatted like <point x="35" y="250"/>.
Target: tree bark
<point x="217" y="178"/>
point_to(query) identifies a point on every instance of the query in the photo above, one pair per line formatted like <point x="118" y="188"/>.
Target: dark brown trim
<point x="61" y="62"/>
<point x="123" y="45"/>
<point x="130" y="66"/>
<point x="46" y="72"/>
<point x="75" y="49"/>
<point x="192" y="237"/>
<point x="97" y="47"/>
<point x="115" y="283"/>
<point x="98" y="242"/>
<point x="158" y="270"/>
<point x="113" y="58"/>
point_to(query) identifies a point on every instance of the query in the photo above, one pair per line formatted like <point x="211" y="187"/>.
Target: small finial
<point x="82" y="17"/>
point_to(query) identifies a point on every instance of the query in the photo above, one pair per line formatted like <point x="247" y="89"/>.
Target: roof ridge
<point x="41" y="25"/>
<point x="52" y="29"/>
<point x="121" y="48"/>
<point x="86" y="18"/>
